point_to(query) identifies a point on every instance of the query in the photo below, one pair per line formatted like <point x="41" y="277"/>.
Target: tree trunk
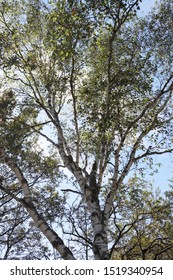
<point x="51" y="235"/>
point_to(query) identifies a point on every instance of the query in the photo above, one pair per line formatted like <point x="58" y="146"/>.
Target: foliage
<point x="94" y="84"/>
<point x="143" y="223"/>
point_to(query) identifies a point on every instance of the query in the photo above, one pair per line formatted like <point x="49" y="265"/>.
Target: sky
<point x="146" y="6"/>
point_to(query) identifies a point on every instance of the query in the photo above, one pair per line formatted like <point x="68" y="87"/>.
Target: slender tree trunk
<point x="51" y="235"/>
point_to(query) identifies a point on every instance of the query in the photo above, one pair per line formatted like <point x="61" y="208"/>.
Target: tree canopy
<point x="86" y="97"/>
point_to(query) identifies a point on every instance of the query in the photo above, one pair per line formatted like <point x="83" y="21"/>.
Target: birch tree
<point x="94" y="84"/>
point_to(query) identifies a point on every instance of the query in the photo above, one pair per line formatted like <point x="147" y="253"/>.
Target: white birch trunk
<point x="50" y="234"/>
<point x="27" y="202"/>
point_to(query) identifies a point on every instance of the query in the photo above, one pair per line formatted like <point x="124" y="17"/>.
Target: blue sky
<point x="161" y="179"/>
<point x="146" y="6"/>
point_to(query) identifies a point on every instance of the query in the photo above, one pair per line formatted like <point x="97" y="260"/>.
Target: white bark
<point x="99" y="225"/>
<point x="51" y="235"/>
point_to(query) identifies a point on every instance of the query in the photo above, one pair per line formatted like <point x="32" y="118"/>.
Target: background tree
<point x="143" y="221"/>
<point x="99" y="96"/>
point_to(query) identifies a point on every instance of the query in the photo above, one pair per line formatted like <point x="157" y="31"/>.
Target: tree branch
<point x="72" y="88"/>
